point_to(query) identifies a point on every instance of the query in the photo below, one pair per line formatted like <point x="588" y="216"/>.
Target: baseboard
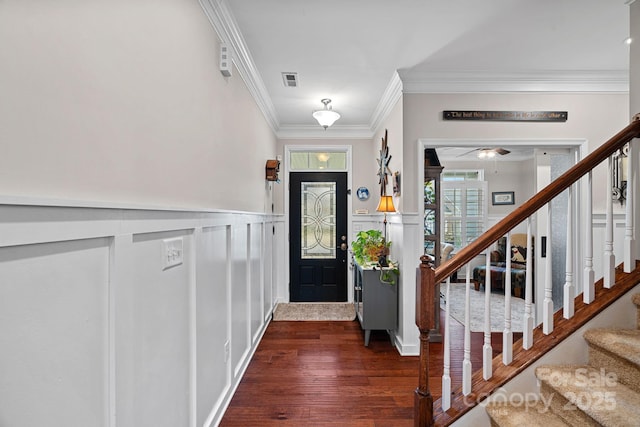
<point x="405" y="349"/>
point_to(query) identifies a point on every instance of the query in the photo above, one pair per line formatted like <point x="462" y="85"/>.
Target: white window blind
<point x="464" y="207"/>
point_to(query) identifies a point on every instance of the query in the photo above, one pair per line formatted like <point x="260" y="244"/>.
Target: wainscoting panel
<point x="213" y="375"/>
<point x="268" y="271"/>
<point x="255" y="279"/>
<point x="161" y="332"/>
<point x="54" y="333"/>
<point x="96" y="329"/>
<point x="240" y="298"/>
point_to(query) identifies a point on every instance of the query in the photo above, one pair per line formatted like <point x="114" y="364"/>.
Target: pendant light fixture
<point x="327" y="116"/>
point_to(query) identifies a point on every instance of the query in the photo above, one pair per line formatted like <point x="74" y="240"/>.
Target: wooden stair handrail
<point x="543" y="197"/>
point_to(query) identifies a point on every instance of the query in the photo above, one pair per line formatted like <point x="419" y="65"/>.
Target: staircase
<point x="605" y="392"/>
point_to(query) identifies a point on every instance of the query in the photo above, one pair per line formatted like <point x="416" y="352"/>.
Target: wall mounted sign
<point x="508" y="116"/>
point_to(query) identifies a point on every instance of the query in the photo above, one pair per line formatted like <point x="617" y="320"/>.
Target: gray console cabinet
<point x="376" y="302"/>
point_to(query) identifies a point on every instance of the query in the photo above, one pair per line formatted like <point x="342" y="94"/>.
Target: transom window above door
<point x="318" y="160"/>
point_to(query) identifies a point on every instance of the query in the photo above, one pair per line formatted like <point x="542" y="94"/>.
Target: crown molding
<point x="390" y="97"/>
<point x="543" y="81"/>
<point x="225" y="26"/>
<point x="316" y="132"/>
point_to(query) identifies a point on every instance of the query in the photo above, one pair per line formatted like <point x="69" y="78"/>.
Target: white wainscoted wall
<point x="95" y="331"/>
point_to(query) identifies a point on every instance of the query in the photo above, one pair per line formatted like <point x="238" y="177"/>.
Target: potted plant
<point x="368" y="248"/>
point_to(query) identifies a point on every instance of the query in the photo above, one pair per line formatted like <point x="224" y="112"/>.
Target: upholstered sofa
<point x="446" y="252"/>
<point x="498" y="267"/>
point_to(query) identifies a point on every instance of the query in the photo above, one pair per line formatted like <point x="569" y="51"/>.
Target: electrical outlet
<point x="172" y="250"/>
<point x="226" y="351"/>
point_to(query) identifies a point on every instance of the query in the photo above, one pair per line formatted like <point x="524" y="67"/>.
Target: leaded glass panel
<point x="318" y="220"/>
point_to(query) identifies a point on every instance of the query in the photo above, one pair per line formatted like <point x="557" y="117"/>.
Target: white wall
<point x="107" y="106"/>
<point x="96" y="332"/>
<point x="123" y="102"/>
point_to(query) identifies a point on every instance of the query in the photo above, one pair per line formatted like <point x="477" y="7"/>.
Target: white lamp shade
<point x="326" y="117"/>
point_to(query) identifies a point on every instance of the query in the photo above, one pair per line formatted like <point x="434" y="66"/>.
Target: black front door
<point x="318" y="237"/>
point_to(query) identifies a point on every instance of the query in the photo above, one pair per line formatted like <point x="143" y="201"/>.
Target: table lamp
<point x="385" y="205"/>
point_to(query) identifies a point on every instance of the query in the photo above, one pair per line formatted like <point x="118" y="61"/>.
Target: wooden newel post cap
<point x="428" y="260"/>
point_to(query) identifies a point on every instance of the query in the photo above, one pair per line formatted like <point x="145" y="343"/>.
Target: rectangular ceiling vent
<point x="290" y="79"/>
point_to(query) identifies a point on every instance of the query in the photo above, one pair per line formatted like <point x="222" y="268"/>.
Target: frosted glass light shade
<point x="326" y="117"/>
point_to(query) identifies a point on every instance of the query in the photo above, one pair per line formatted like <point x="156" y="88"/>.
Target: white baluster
<point x="507" y="334"/>
<point x="487" y="351"/>
<point x="569" y="290"/>
<point x="609" y="256"/>
<point x="588" y="287"/>
<point x="446" y="378"/>
<point x="466" y="363"/>
<point x="527" y="327"/>
<point x="547" y="304"/>
<point x="629" y="240"/>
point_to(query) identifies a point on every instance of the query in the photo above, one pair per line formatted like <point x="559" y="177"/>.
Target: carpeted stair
<point x="606" y="392"/>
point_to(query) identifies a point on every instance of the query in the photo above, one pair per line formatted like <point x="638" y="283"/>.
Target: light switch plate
<point x="172" y="252"/>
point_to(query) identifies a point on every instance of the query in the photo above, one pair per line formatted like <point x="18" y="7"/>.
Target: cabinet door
<point x="379" y="302"/>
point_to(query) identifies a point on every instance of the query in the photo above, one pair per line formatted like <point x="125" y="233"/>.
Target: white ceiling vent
<point x="290" y="79"/>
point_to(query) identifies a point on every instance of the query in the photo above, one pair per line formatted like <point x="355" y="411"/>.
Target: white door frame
<point x="288" y="149"/>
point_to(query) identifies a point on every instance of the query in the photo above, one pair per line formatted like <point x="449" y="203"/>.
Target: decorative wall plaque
<point x="507" y="116"/>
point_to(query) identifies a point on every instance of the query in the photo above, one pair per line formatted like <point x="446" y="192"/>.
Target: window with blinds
<point x="464" y="206"/>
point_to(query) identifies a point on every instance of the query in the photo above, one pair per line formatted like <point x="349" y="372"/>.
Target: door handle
<point x="343" y="246"/>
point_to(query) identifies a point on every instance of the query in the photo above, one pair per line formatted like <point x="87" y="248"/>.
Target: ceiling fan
<point x="487" y="153"/>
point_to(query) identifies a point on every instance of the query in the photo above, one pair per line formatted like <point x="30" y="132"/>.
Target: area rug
<point x="456" y="310"/>
<point x="301" y="311"/>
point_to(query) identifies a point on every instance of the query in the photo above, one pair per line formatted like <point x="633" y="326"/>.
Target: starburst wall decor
<point x="383" y="165"/>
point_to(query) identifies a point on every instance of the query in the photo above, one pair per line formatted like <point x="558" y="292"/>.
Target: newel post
<point x="425" y="290"/>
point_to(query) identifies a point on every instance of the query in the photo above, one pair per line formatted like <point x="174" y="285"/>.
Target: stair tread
<point x="625" y="343"/>
<point x="600" y="396"/>
<point x="533" y="413"/>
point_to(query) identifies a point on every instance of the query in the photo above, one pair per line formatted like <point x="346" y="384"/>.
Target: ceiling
<point x="364" y="53"/>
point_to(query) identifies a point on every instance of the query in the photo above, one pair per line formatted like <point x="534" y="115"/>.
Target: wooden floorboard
<point x="321" y="374"/>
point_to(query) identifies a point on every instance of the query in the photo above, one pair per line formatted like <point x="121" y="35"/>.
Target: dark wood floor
<point x="320" y="374"/>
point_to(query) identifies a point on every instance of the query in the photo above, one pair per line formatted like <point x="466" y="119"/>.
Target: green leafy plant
<point x="368" y="247"/>
<point x="389" y="275"/>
